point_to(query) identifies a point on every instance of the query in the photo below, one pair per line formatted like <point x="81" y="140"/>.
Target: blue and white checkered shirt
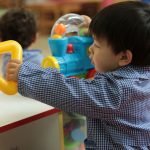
<point x="116" y="104"/>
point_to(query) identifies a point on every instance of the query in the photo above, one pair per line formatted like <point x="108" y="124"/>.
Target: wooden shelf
<point x="48" y="12"/>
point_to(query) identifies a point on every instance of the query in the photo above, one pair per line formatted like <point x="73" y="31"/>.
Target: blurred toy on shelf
<point x="74" y="131"/>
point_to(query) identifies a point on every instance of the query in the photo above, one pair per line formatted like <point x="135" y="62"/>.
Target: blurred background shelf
<point x="48" y="11"/>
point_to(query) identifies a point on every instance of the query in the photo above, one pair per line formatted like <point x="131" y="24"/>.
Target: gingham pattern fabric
<point x="116" y="104"/>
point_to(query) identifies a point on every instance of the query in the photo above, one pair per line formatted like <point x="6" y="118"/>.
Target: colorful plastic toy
<point x="60" y="29"/>
<point x="14" y="48"/>
<point x="69" y="47"/>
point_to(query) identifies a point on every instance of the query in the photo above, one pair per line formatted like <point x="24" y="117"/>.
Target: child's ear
<point x="125" y="58"/>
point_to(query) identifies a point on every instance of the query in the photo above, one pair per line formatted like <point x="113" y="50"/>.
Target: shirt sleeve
<point x="92" y="98"/>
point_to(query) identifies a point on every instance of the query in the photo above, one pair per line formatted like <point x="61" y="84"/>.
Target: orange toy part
<point x="60" y="29"/>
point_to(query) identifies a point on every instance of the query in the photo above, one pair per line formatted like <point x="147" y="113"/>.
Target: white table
<point x="26" y="124"/>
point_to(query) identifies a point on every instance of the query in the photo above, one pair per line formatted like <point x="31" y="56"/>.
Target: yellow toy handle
<point x="15" y="49"/>
<point x="50" y="61"/>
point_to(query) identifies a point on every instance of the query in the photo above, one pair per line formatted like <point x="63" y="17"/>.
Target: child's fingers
<point x="11" y="71"/>
<point x="10" y="77"/>
<point x="15" y="61"/>
<point x="12" y="65"/>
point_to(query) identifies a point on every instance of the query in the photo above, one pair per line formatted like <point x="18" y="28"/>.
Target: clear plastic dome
<point x="68" y="25"/>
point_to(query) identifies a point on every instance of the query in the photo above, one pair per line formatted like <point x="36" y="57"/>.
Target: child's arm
<point x="91" y="98"/>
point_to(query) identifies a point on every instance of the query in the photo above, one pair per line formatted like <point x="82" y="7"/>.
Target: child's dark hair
<point x="19" y="25"/>
<point x="125" y="25"/>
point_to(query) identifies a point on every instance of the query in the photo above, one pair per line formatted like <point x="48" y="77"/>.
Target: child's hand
<point x="12" y="70"/>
